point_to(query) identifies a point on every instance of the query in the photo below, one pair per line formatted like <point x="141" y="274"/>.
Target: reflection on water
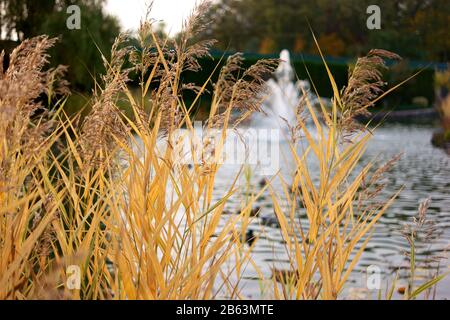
<point x="423" y="171"/>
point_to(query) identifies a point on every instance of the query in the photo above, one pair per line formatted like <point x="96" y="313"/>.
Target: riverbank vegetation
<point x="109" y="199"/>
<point x="414" y="29"/>
<point x="441" y="138"/>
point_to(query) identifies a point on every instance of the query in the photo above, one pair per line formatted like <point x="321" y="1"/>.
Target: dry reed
<point x="114" y="197"/>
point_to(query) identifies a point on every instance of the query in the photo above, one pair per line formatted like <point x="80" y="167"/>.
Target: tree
<point x="78" y="49"/>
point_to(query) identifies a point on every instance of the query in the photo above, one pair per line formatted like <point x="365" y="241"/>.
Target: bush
<point x="422" y="85"/>
<point x="319" y="75"/>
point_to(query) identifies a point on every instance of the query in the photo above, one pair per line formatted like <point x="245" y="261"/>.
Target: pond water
<point x="423" y="171"/>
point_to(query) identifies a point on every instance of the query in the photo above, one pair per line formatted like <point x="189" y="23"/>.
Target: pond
<point x="423" y="171"/>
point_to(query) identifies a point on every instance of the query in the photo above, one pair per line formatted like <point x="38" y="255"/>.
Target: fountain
<point x="284" y="94"/>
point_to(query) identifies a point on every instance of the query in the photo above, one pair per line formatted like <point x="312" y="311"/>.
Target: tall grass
<point x="112" y="195"/>
<point x="341" y="208"/>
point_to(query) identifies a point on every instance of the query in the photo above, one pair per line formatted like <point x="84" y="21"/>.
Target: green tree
<point x="78" y="49"/>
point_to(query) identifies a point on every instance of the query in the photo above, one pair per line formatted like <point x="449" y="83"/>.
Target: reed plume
<point x="365" y="84"/>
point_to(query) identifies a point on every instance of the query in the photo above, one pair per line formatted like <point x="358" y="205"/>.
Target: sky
<point x="172" y="12"/>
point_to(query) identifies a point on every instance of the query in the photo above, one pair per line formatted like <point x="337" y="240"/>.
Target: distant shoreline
<point x="402" y="115"/>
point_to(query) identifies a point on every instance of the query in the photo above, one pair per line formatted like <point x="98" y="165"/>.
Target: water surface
<point x="423" y="171"/>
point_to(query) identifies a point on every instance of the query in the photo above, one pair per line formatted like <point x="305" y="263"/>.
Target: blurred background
<point x="415" y="29"/>
<point x="416" y="115"/>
